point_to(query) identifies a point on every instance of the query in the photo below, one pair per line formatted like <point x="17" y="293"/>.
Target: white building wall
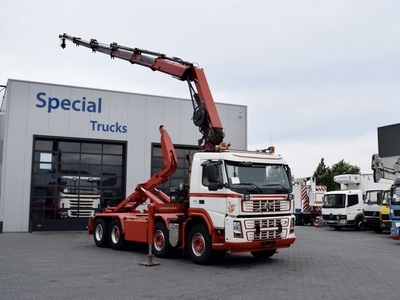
<point x="141" y="114"/>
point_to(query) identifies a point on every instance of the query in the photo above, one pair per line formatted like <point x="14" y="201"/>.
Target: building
<point x="66" y="151"/>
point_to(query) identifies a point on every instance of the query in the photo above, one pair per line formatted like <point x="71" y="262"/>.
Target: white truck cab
<point x="346" y="207"/>
<point x="79" y="196"/>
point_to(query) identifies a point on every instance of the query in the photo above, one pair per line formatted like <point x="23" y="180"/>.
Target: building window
<point x="181" y="174"/>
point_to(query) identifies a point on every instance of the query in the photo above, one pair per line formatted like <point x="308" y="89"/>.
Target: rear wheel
<point x="263" y="254"/>
<point x="116" y="236"/>
<point x="200" y="245"/>
<point x="161" y="245"/>
<point x="100" y="233"/>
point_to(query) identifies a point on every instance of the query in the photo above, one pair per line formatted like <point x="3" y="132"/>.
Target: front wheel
<point x="359" y="225"/>
<point x="263" y="254"/>
<point x="100" y="233"/>
<point x="199" y="244"/>
<point x="116" y="236"/>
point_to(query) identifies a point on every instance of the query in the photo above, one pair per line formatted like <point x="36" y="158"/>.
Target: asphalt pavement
<point x="321" y="264"/>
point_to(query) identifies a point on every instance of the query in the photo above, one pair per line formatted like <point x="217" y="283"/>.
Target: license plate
<point x="267" y="244"/>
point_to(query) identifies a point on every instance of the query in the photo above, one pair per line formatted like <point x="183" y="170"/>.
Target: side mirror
<point x="213" y="186"/>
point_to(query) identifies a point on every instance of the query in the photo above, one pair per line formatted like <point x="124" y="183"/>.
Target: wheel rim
<point x="198" y="244"/>
<point x="159" y="240"/>
<point x="99" y="232"/>
<point x="115" y="234"/>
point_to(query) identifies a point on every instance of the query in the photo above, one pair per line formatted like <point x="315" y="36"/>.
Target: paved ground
<point x="322" y="264"/>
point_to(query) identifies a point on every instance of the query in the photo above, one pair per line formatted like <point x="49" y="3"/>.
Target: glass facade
<point x="72" y="179"/>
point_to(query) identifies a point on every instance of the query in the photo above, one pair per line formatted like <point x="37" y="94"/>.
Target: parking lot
<point x="321" y="264"/>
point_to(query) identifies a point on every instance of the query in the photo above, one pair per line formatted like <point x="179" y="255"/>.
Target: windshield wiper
<point x="278" y="184"/>
<point x="253" y="185"/>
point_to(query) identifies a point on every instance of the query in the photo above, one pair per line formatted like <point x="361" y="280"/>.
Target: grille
<point x="385" y="217"/>
<point x="371" y="214"/>
<point x="329" y="217"/>
<point x="266" y="205"/>
<point x="396" y="213"/>
<point x="82" y="203"/>
<point x="264" y="229"/>
<point x="82" y="213"/>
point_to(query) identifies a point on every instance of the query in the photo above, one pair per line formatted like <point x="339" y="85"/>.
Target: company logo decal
<point x="231" y="207"/>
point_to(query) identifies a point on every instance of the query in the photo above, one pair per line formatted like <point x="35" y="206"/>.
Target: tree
<point x="324" y="175"/>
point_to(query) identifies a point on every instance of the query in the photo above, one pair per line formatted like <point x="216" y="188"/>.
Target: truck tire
<point x="263" y="254"/>
<point x="337" y="228"/>
<point x="161" y="245"/>
<point x="359" y="224"/>
<point x="199" y="244"/>
<point x="378" y="229"/>
<point x="100" y="233"/>
<point x="116" y="236"/>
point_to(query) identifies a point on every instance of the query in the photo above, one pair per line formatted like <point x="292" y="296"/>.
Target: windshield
<point x="396" y="195"/>
<point x="372" y="197"/>
<point x="386" y="197"/>
<point x="334" y="201"/>
<point x="74" y="185"/>
<point x="251" y="178"/>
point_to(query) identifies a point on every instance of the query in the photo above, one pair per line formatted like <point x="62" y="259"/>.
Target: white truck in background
<point x="79" y="196"/>
<point x="307" y="200"/>
<point x="356" y="204"/>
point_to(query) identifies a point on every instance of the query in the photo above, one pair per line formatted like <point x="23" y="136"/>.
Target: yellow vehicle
<point x="385" y="208"/>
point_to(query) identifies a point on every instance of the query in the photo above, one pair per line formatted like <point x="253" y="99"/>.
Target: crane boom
<point x="205" y="115"/>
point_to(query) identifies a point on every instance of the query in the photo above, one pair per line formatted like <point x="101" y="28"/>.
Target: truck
<point x="79" y="196"/>
<point x="236" y="201"/>
<point x="384" y="210"/>
<point x="355" y="204"/>
<point x="388" y="168"/>
<point x="307" y="200"/>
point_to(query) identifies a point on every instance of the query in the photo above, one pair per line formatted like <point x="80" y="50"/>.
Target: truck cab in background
<point x="79" y="196"/>
<point x="384" y="210"/>
<point x="345" y="207"/>
<point x="307" y="200"/>
<point x="394" y="213"/>
<point x="372" y="208"/>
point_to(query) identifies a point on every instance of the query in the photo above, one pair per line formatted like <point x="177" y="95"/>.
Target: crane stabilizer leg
<point x="150" y="240"/>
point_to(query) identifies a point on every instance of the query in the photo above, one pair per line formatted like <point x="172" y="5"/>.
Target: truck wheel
<point x="116" y="235"/>
<point x="161" y="245"/>
<point x="200" y="245"/>
<point x="100" y="233"/>
<point x="337" y="228"/>
<point x="359" y="224"/>
<point x="263" y="254"/>
<point x="378" y="229"/>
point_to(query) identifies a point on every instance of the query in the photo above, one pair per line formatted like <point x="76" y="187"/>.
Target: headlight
<point x="292" y="225"/>
<point x="237" y="229"/>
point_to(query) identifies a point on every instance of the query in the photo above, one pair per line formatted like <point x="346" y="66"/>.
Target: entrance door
<point x="73" y="179"/>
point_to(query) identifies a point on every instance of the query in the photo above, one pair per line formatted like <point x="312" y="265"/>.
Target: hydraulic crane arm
<point x="383" y="169"/>
<point x="205" y="115"/>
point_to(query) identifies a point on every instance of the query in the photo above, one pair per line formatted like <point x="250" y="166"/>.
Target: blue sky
<point x="317" y="77"/>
